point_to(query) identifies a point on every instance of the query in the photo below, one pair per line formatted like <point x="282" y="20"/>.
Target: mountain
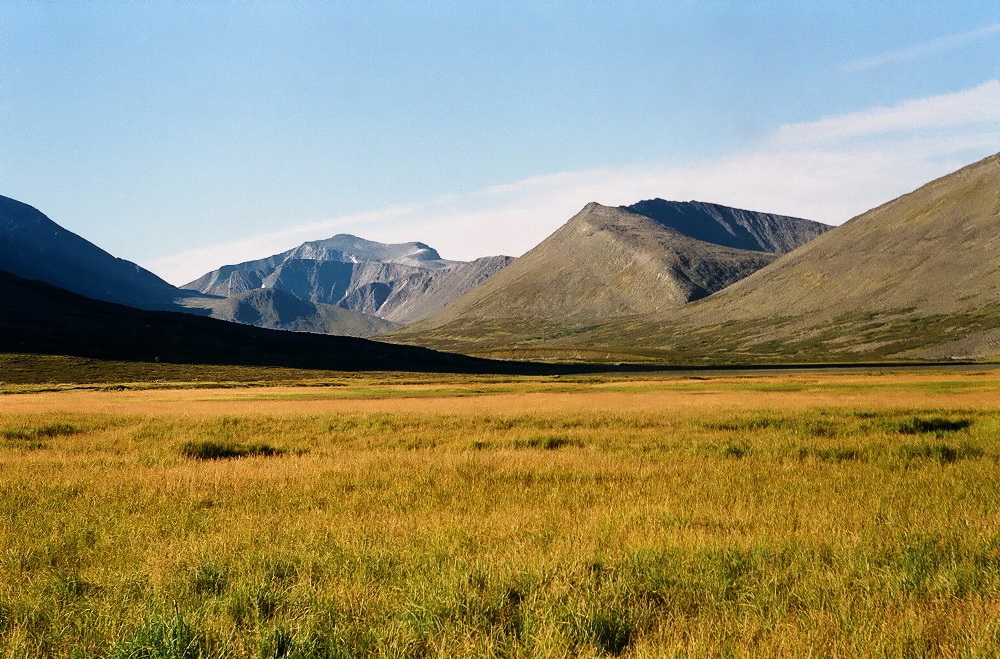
<point x="34" y="247"/>
<point x="606" y="263"/>
<point x="275" y="309"/>
<point x="42" y="319"/>
<point x="399" y="283"/>
<point x="917" y="277"/>
<point x="427" y="292"/>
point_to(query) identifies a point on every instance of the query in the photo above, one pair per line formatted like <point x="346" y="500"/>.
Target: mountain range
<point x="915" y="278"/>
<point x="398" y="283"/>
<point x="36" y="317"/>
<point x="374" y="276"/>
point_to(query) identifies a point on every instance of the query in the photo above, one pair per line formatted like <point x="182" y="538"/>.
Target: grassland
<point x="773" y="515"/>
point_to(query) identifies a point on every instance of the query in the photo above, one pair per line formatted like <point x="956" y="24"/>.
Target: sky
<point x="185" y="136"/>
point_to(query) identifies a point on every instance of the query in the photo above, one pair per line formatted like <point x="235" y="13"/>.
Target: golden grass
<point x="784" y="515"/>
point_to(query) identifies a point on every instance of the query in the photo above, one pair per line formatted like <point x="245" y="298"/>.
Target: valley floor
<point x="777" y="514"/>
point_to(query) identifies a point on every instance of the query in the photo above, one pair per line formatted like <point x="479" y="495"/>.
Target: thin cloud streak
<point x="828" y="170"/>
<point x="947" y="42"/>
<point x="979" y="105"/>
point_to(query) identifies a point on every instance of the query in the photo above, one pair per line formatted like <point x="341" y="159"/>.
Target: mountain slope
<point x="42" y="319"/>
<point x="274" y="309"/>
<point x="611" y="262"/>
<point x="399" y="283"/>
<point x="428" y="292"/>
<point x="34" y="247"/>
<point x="918" y="276"/>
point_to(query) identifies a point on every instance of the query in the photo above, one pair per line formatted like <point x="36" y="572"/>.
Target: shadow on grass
<point x="933" y="426"/>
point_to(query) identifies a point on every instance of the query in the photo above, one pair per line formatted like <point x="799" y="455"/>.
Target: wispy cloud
<point x="828" y="170"/>
<point x="947" y="42"/>
<point x="979" y="105"/>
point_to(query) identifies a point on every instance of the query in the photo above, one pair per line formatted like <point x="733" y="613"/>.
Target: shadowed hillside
<point x="38" y="318"/>
<point x="34" y="247"/>
<point x="731" y="227"/>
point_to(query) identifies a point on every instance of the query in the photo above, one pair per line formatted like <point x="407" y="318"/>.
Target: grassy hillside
<point x="934" y="251"/>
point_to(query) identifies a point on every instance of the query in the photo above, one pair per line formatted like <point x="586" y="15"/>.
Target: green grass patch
<point x="172" y="638"/>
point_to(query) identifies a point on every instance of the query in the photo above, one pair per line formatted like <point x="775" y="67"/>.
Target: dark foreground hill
<point x="39" y="318"/>
<point x="608" y="263"/>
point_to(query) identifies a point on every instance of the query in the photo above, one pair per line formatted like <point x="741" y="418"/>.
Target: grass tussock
<point x="827" y="453"/>
<point x="941" y="452"/>
<point x="549" y="442"/>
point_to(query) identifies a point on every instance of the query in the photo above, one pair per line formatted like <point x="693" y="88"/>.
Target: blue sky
<point x="186" y="135"/>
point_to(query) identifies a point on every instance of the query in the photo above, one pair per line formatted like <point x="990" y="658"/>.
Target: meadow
<point x="792" y="514"/>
